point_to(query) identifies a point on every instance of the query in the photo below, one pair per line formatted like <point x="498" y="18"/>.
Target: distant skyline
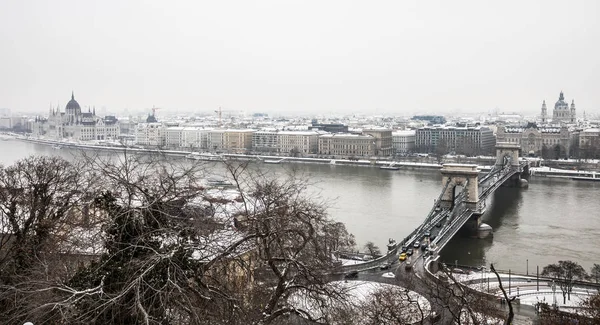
<point x="300" y="57"/>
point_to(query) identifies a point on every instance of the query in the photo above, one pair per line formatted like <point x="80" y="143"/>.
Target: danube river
<point x="554" y="219"/>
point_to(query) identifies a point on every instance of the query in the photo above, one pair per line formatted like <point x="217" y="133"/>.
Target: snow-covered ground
<point x="346" y="262"/>
<point x="357" y="293"/>
<point x="526" y="292"/>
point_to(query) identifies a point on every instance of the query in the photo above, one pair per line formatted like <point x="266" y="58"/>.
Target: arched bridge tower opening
<point x="455" y="178"/>
<point x="507" y="152"/>
<point x="507" y="155"/>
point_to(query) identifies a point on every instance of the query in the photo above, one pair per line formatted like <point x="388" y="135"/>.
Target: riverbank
<point x="390" y="166"/>
<point x="116" y="147"/>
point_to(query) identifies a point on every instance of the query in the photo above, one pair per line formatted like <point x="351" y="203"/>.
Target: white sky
<point x="398" y="57"/>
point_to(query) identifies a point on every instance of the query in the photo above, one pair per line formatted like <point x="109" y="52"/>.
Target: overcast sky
<point x="397" y="57"/>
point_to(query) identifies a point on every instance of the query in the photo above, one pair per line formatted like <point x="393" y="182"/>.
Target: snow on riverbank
<point x="525" y="288"/>
<point x="356" y="293"/>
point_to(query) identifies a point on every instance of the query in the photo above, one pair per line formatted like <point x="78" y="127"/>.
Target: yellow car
<point x="402" y="257"/>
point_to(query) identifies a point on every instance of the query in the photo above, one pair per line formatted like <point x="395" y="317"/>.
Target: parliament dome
<point x="73" y="105"/>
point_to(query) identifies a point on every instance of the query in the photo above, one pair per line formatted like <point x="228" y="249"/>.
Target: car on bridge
<point x="427" y="234"/>
<point x="385" y="266"/>
<point x="351" y="275"/>
<point x="403" y="249"/>
<point x="409" y="252"/>
<point x="416" y="244"/>
<point x="402" y="257"/>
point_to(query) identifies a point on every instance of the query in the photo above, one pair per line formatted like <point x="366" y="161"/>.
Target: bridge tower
<point x="457" y="176"/>
<point x="507" y="150"/>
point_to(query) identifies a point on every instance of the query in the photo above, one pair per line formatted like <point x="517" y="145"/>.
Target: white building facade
<point x="403" y="141"/>
<point x="76" y="125"/>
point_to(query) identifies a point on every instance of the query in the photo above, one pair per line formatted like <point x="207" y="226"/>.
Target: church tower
<point x="573" y="115"/>
<point x="544" y="112"/>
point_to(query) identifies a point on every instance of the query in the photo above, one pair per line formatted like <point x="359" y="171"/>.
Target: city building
<point x="562" y="113"/>
<point x="265" y="141"/>
<point x="465" y="140"/>
<point x="347" y="145"/>
<point x="383" y="141"/>
<point x="331" y="128"/>
<point x="589" y="143"/>
<point x="76" y="125"/>
<point x="403" y="142"/>
<point x="294" y="143"/>
<point x="150" y="134"/>
<point x="548" y="141"/>
<point x="431" y="119"/>
<point x="237" y="141"/>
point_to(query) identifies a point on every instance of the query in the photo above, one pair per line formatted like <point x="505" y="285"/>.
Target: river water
<point x="554" y="219"/>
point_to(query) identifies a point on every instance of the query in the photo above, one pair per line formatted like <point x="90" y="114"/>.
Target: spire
<point x="73" y="95"/>
<point x="562" y="96"/>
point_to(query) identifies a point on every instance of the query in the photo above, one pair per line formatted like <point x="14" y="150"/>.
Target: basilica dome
<point x="561" y="104"/>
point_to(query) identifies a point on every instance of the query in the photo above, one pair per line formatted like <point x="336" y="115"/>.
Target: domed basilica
<point x="76" y="125"/>
<point x="562" y="114"/>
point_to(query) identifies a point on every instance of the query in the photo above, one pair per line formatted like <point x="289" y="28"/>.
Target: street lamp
<point x="553" y="294"/>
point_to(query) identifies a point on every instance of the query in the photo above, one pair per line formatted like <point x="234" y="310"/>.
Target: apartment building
<point x="265" y="141"/>
<point x="403" y="141"/>
<point x="347" y="144"/>
<point x="468" y="140"/>
<point x="237" y="141"/>
<point x="149" y="134"/>
<point x="383" y="141"/>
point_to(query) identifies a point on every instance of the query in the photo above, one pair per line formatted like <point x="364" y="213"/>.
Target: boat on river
<point x="206" y="156"/>
<point x="589" y="179"/>
<point x="273" y="161"/>
<point x="390" y="167"/>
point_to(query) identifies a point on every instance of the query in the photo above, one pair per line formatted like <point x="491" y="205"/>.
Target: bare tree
<point x="595" y="272"/>
<point x="372" y="249"/>
<point x="509" y="300"/>
<point x="337" y="238"/>
<point x="459" y="303"/>
<point x="565" y="273"/>
<point x="159" y="265"/>
<point x="42" y="201"/>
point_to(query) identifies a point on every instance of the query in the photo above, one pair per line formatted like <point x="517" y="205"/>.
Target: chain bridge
<point x="460" y="205"/>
